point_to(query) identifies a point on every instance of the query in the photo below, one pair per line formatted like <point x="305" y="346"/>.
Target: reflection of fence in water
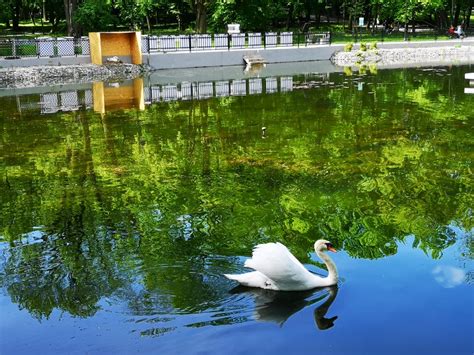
<point x="204" y="90"/>
<point x="74" y="100"/>
<point x="65" y="101"/>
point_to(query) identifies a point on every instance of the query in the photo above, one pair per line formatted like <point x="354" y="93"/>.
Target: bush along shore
<point x="22" y="77"/>
<point x="368" y="54"/>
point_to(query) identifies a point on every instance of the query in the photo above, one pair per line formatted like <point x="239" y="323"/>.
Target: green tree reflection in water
<point x="137" y="204"/>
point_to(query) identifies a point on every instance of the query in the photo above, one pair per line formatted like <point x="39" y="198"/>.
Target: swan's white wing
<point x="276" y="262"/>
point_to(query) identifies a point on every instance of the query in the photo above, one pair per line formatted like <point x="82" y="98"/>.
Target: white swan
<point x="277" y="269"/>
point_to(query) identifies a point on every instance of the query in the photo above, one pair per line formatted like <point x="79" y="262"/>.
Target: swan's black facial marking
<point x="330" y="247"/>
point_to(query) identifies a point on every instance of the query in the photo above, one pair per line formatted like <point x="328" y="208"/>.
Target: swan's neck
<point x="332" y="276"/>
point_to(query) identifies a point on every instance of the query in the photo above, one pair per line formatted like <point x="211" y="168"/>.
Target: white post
<point x="271" y="85"/>
<point x="239" y="88"/>
<point x="255" y="86"/>
<point x="286" y="83"/>
<point x="255" y="40"/>
<point x="65" y="46"/>
<point x="238" y="40"/>
<point x="286" y="39"/>
<point x="145" y="47"/>
<point x="85" y="46"/>
<point x="205" y="90"/>
<point x="270" y="39"/>
<point x="45" y="46"/>
<point x="221" y="41"/>
<point x="222" y="88"/>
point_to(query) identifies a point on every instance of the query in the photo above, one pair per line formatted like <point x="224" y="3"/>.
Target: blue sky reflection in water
<point x="116" y="229"/>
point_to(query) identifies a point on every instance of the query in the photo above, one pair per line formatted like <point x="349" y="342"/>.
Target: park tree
<point x="94" y="15"/>
<point x="200" y="9"/>
<point x="7" y="12"/>
<point x="70" y="7"/>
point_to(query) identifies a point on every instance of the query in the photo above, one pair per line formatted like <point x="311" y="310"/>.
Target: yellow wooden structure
<point x="109" y="98"/>
<point x="120" y="44"/>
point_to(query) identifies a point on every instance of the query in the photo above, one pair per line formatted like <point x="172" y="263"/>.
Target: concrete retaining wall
<point x="174" y="60"/>
<point x="34" y="61"/>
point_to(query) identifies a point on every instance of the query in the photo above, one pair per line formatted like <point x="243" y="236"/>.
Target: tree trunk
<point x="317" y="15"/>
<point x="148" y="23"/>
<point x="308" y="10"/>
<point x="456" y="14"/>
<point x="16" y="15"/>
<point x="70" y="7"/>
<point x="201" y="16"/>
<point x="376" y="14"/>
<point x="443" y="19"/>
<point x="289" y="19"/>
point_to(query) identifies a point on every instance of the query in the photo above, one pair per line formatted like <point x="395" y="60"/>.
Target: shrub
<point x="373" y="68"/>
<point x="348" y="47"/>
<point x="363" y="46"/>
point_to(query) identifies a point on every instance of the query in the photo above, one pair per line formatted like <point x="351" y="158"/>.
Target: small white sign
<point x="361" y="21"/>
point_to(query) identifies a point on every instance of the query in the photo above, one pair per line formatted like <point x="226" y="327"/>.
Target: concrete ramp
<point x="254" y="59"/>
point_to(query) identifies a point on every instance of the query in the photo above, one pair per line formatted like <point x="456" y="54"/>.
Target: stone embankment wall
<point x="387" y="57"/>
<point x="53" y="75"/>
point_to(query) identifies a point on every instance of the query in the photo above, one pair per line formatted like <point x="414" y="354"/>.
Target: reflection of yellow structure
<point x="121" y="44"/>
<point x="119" y="97"/>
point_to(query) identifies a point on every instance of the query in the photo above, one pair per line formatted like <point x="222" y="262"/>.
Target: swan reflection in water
<point x="278" y="306"/>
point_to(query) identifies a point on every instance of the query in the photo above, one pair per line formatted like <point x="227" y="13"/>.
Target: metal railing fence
<point x="12" y="48"/>
<point x="190" y="43"/>
<point x="380" y="34"/>
<point x="43" y="47"/>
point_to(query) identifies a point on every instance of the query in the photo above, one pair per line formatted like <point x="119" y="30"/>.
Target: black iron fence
<point x="231" y="41"/>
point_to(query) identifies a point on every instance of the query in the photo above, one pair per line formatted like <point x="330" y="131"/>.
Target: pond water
<point x="116" y="228"/>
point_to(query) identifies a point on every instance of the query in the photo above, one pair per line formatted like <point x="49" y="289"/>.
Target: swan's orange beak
<point x="331" y="248"/>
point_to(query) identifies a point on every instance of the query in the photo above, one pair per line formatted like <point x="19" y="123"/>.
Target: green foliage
<point x="363" y="46"/>
<point x="94" y="15"/>
<point x="7" y="10"/>
<point x="373" y="68"/>
<point x="254" y="15"/>
<point x="132" y="13"/>
<point x="348" y="47"/>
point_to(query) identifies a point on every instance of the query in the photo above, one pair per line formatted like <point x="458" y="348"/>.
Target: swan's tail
<point x="251" y="279"/>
